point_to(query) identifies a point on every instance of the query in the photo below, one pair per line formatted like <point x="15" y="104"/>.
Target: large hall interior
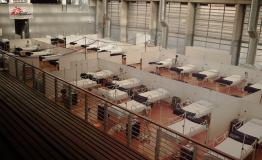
<point x="131" y="79"/>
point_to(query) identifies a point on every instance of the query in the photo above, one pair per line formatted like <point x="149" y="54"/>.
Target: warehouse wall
<point x="52" y="19"/>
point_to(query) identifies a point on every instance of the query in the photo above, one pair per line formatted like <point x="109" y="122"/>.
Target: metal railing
<point x="134" y="130"/>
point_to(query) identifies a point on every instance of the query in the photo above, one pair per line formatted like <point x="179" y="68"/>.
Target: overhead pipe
<point x="252" y="26"/>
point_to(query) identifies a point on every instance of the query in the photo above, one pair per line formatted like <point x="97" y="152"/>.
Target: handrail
<point x="130" y="112"/>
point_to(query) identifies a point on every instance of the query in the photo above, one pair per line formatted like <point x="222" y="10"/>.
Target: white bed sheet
<point x="113" y="94"/>
<point x="30" y="48"/>
<point x="187" y="68"/>
<point x="190" y="129"/>
<point x="165" y="63"/>
<point x="51" y="57"/>
<point x="128" y="83"/>
<point x="200" y="108"/>
<point x="236" y="79"/>
<point x="41" y="53"/>
<point x="233" y="148"/>
<point x="155" y="95"/>
<point x="103" y="74"/>
<point x="129" y="105"/>
<point x="84" y="83"/>
<point x="252" y="128"/>
<point x="210" y="74"/>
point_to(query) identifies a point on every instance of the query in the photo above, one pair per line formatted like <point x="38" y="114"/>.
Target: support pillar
<point x="154" y="21"/>
<point x="237" y="34"/>
<point x="123" y="21"/>
<point x="106" y="20"/>
<point x="99" y="19"/>
<point x="164" y="25"/>
<point x="190" y="24"/>
<point x="252" y="49"/>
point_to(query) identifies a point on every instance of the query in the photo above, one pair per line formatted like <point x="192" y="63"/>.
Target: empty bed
<point x="50" y="57"/>
<point x="103" y="74"/>
<point x="252" y="128"/>
<point x="132" y="105"/>
<point x="113" y="94"/>
<point x="40" y="53"/>
<point x="128" y="83"/>
<point x="84" y="83"/>
<point x="187" y="127"/>
<point x="154" y="95"/>
<point x="208" y="74"/>
<point x="199" y="108"/>
<point x="233" y="148"/>
<point x="184" y="69"/>
<point x="163" y="63"/>
<point x="231" y="80"/>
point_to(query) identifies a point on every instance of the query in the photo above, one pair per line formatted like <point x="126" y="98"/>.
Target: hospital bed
<point x="113" y="94"/>
<point x="50" y="57"/>
<point x="233" y="145"/>
<point x="163" y="63"/>
<point x="152" y="96"/>
<point x="132" y="105"/>
<point x="231" y="80"/>
<point x="84" y="83"/>
<point x="252" y="128"/>
<point x="206" y="75"/>
<point x="103" y="74"/>
<point x="199" y="109"/>
<point x="184" y="69"/>
<point x="127" y="83"/>
<point x="95" y="46"/>
<point x="116" y="51"/>
<point x="39" y="53"/>
<point x="187" y="127"/>
<point x="30" y="48"/>
<point x="253" y="87"/>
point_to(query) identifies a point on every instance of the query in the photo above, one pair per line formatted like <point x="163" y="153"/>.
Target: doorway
<point x="22" y="28"/>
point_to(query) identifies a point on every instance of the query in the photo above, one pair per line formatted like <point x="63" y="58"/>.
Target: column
<point x="123" y="21"/>
<point x="99" y="19"/>
<point x="252" y="30"/>
<point x="190" y="24"/>
<point x="154" y="21"/>
<point x="237" y="34"/>
<point x="106" y="20"/>
<point x="164" y="25"/>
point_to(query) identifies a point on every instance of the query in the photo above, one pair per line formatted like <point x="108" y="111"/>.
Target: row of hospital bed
<point x="141" y="102"/>
<point x="210" y="74"/>
<point x="192" y="119"/>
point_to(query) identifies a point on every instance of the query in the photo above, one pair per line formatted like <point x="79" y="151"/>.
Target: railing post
<point x="105" y="118"/>
<point x="55" y="89"/>
<point x="43" y="82"/>
<point x="33" y="77"/>
<point x="158" y="141"/>
<point x="86" y="108"/>
<point x="16" y="69"/>
<point x="129" y="130"/>
<point x="69" y="97"/>
<point x="3" y="61"/>
<point x="24" y="74"/>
